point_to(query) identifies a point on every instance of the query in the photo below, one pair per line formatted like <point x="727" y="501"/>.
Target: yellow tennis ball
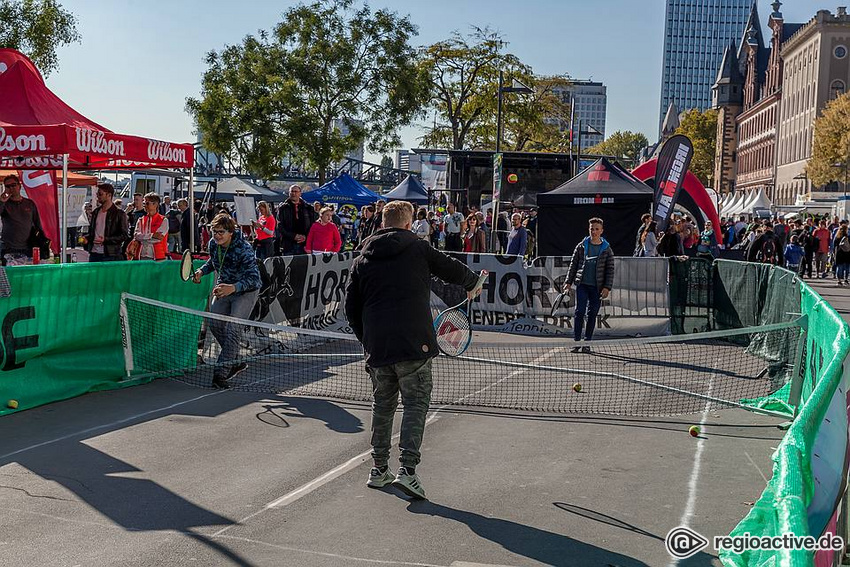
<point x="694" y="430"/>
<point x="577" y="387"/>
<point x="513" y="178"/>
<point x="12" y="404"/>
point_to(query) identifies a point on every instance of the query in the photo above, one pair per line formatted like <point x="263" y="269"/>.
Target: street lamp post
<point x="502" y="89"/>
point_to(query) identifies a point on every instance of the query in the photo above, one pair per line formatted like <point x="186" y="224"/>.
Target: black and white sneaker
<point x="409" y="484"/>
<point x="236" y="369"/>
<point x="585" y="349"/>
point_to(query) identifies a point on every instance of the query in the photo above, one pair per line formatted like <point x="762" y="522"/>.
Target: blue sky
<point x="139" y="60"/>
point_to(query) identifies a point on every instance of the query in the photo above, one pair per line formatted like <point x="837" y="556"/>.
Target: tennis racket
<point x="186" y="266"/>
<point x="561" y="298"/>
<point x="453" y="327"/>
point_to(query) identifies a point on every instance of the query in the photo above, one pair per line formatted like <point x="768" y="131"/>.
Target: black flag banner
<point x="673" y="163"/>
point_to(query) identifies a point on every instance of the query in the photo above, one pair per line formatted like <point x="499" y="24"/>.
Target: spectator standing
<point x="451" y="225"/>
<point x="842" y="255"/>
<point x="648" y="240"/>
<point x="165" y="206"/>
<point x="367" y="225"/>
<point x="767" y="248"/>
<point x="189" y="222"/>
<point x="379" y="213"/>
<point x="20" y="219"/>
<point x="502" y="230"/>
<point x="670" y="244"/>
<point x="265" y="229"/>
<point x="473" y="237"/>
<point x="822" y="253"/>
<point x="421" y="226"/>
<point x="173" y="216"/>
<point x="151" y="231"/>
<point x="518" y="237"/>
<point x="135" y="211"/>
<point x="324" y="235"/>
<point x="392" y="276"/>
<point x="707" y="246"/>
<point x="531" y="229"/>
<point x="108" y="229"/>
<point x="592" y="273"/>
<point x="294" y="219"/>
<point x="794" y="253"/>
<point x="640" y="237"/>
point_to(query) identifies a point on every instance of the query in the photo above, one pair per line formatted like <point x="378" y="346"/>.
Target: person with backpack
<point x="810" y="245"/>
<point x="767" y="248"/>
<point x="842" y="256"/>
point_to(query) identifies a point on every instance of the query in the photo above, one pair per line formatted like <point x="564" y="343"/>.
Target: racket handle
<point x="482" y="277"/>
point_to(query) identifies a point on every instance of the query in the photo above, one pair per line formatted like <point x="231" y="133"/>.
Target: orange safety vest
<point x="160" y="249"/>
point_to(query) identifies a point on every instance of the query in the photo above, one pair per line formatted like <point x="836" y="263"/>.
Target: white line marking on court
<point x="334" y="555"/>
<point x="694" y="480"/>
<point x="756" y="466"/>
<point x="108" y="425"/>
<point x="358" y="460"/>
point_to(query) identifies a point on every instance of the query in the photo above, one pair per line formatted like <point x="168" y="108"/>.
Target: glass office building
<point x="695" y="34"/>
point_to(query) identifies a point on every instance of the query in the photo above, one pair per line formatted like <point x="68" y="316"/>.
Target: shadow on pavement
<point x="547" y="547"/>
<point x="336" y="418"/>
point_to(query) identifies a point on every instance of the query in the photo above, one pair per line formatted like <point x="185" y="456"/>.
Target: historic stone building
<point x="747" y="94"/>
<point x="768" y="98"/>
<point x="816" y="69"/>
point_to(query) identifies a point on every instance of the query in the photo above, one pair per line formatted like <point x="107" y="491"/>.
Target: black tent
<point x="603" y="190"/>
<point x="411" y="190"/>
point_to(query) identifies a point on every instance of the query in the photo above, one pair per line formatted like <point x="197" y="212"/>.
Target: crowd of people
<point x="151" y="227"/>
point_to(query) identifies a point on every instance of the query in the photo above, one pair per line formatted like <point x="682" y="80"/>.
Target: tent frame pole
<point x="192" y="208"/>
<point x="63" y="213"/>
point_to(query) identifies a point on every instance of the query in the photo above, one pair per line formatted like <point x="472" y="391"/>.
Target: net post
<point x="796" y="378"/>
<point x="126" y="343"/>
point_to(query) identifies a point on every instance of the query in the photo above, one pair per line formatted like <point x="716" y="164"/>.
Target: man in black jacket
<point x="767" y="248"/>
<point x="387" y="304"/>
<point x="108" y="229"/>
<point x="294" y="219"/>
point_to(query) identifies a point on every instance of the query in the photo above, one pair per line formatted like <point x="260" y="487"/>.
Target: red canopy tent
<point x="38" y="131"/>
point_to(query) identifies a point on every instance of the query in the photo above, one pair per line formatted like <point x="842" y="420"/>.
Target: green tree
<point x="464" y="76"/>
<point x="326" y="65"/>
<point x="622" y="145"/>
<point x="36" y="28"/>
<point x="701" y="128"/>
<point x="387" y="161"/>
<point x="831" y="144"/>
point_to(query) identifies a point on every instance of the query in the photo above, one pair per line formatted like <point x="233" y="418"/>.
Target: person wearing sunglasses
<point x="20" y="221"/>
<point x="235" y="293"/>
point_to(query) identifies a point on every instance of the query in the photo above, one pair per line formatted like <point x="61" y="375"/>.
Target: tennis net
<point x="642" y="377"/>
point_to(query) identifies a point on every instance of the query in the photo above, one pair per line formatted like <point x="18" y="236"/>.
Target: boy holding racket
<point x="388" y="306"/>
<point x="592" y="272"/>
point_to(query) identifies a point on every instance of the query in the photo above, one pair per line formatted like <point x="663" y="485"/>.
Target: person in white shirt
<point x="451" y="227"/>
<point x="421" y="226"/>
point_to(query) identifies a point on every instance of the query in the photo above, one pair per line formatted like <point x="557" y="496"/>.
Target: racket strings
<point x="453" y="331"/>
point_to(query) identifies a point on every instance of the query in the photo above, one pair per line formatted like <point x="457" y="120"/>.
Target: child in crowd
<point x="794" y="254"/>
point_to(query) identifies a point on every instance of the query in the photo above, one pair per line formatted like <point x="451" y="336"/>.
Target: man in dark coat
<point x="294" y="219"/>
<point x="388" y="307"/>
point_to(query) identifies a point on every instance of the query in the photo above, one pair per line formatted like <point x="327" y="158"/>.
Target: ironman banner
<point x="673" y="163"/>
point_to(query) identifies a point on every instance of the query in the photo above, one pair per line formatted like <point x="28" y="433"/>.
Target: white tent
<point x="749" y="197"/>
<point x="733" y="202"/>
<point x="761" y="201"/>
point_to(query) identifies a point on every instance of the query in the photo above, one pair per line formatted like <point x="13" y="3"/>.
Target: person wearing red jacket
<point x="324" y="235"/>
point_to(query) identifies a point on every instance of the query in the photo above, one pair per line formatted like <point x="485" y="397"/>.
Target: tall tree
<point x="326" y="79"/>
<point x="464" y="76"/>
<point x="831" y="144"/>
<point x="701" y="128"/>
<point x="36" y="28"/>
<point x="621" y="144"/>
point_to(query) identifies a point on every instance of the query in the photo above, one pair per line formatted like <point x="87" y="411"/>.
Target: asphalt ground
<point x="171" y="474"/>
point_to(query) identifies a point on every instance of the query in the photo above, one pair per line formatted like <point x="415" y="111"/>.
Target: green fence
<point x="743" y="295"/>
<point x="60" y="331"/>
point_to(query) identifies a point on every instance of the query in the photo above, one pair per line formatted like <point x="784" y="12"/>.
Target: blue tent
<point x="344" y="190"/>
<point x="411" y="190"/>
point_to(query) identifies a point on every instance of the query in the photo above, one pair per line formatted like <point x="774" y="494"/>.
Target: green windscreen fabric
<point x="60" y="327"/>
<point x="782" y="507"/>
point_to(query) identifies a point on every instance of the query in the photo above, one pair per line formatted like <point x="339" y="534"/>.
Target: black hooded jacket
<point x="389" y="292"/>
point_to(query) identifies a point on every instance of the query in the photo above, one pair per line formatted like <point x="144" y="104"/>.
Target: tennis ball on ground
<point x="577" y="387"/>
<point x="694" y="430"/>
<point x="12" y="404"/>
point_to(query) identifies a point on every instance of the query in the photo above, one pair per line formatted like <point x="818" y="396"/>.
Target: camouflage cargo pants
<point x="413" y="380"/>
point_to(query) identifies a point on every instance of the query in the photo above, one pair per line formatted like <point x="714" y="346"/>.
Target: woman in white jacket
<point x="421" y="226"/>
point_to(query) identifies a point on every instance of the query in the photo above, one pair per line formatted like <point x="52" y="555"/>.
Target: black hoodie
<point x="389" y="293"/>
